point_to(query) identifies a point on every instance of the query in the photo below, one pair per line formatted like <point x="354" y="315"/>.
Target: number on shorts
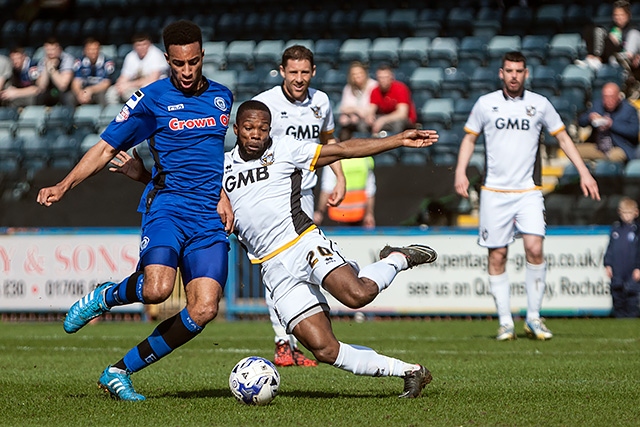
<point x="311" y="256"/>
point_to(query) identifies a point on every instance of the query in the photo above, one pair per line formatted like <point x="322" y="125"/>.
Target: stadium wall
<point x="47" y="270"/>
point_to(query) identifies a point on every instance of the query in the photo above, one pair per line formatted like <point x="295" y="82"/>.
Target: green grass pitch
<point x="587" y="375"/>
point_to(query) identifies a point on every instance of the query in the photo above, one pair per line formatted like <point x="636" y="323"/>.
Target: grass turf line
<point x="588" y="375"/>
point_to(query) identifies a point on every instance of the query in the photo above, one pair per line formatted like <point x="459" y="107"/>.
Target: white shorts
<point x="506" y="215"/>
<point x="293" y="277"/>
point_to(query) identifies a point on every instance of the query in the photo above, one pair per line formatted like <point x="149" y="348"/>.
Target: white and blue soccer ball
<point x="254" y="381"/>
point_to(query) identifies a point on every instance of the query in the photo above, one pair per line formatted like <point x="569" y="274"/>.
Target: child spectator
<point x="622" y="261"/>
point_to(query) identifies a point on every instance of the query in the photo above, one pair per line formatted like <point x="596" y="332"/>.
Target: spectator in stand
<point x="622" y="262"/>
<point x="5" y="70"/>
<point x="618" y="44"/>
<point x="614" y="123"/>
<point x="22" y="89"/>
<point x="55" y="72"/>
<point x="391" y="107"/>
<point x="92" y="75"/>
<point x="143" y="65"/>
<point x="355" y="100"/>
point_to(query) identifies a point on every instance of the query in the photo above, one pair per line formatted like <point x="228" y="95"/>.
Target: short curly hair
<point x="181" y="33"/>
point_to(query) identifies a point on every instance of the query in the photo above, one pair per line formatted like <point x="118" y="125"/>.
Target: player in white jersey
<point x="262" y="179"/>
<point x="511" y="202"/>
<point x="305" y="114"/>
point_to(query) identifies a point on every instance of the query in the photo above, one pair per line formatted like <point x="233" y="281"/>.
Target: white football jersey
<point x="265" y="196"/>
<point x="305" y="121"/>
<point x="512" y="128"/>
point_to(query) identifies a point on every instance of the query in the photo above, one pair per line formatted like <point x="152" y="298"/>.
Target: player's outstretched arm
<point x="354" y="148"/>
<point x="588" y="183"/>
<point x="91" y="163"/>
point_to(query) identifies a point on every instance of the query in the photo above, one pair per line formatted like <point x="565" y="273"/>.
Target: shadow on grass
<point x="225" y="393"/>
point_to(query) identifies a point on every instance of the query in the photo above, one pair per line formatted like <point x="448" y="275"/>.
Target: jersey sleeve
<point x="134" y="123"/>
<point x="303" y="154"/>
<point x="552" y="120"/>
<point x="475" y="121"/>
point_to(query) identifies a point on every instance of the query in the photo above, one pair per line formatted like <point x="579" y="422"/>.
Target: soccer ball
<point x="254" y="381"/>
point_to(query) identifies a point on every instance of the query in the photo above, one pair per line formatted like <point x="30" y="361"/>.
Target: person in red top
<point x="391" y="107"/>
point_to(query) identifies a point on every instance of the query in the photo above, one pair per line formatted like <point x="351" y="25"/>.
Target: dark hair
<point x="252" y="104"/>
<point x="514" y="56"/>
<point x="622" y="4"/>
<point x="384" y="67"/>
<point x="91" y="40"/>
<point x="181" y="33"/>
<point x="51" y="40"/>
<point x="140" y="37"/>
<point x="296" y="53"/>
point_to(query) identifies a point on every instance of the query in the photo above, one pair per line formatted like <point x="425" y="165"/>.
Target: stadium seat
<point x="215" y="53"/>
<point x="570" y="46"/>
<point x="443" y="52"/>
<point x="473" y="47"/>
<point x="548" y="19"/>
<point x="630" y="179"/>
<point x="40" y="30"/>
<point x="602" y="15"/>
<point x="488" y="22"/>
<point x="14" y="33"/>
<point x="535" y="48"/>
<point x="574" y="76"/>
<point x="483" y="80"/>
<point x="427" y="79"/>
<point x="355" y="50"/>
<point x="268" y="52"/>
<point x="343" y="24"/>
<point x="32" y="117"/>
<point x="459" y="22"/>
<point x="85" y="117"/>
<point x="34" y="153"/>
<point x="229" y="26"/>
<point x="455" y="84"/>
<point x="500" y="44"/>
<point x="609" y="176"/>
<point x="385" y="49"/>
<point x="258" y="26"/>
<point x="414" y="157"/>
<point x="372" y="23"/>
<point x="545" y="80"/>
<point x="59" y="119"/>
<point x="605" y="74"/>
<point x="325" y="51"/>
<point x="461" y="110"/>
<point x="333" y="81"/>
<point x="437" y="110"/>
<point x="285" y="24"/>
<point x="120" y="30"/>
<point x="315" y="23"/>
<point x="206" y="22"/>
<point x="415" y="49"/>
<point x="248" y="84"/>
<point x="517" y="21"/>
<point x="69" y="31"/>
<point x="568" y="112"/>
<point x="429" y="23"/>
<point x="308" y="43"/>
<point x="108" y="113"/>
<point x="402" y="22"/>
<point x="586" y="211"/>
<point x="558" y="207"/>
<point x="577" y="17"/>
<point x="240" y="53"/>
<point x="8" y="119"/>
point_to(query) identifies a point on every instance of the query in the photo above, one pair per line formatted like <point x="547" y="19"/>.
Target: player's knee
<point x="203" y="313"/>
<point x="156" y="292"/>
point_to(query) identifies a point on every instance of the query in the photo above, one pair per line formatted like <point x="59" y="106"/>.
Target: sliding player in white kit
<point x="304" y="113"/>
<point x="262" y="180"/>
<point x="511" y="202"/>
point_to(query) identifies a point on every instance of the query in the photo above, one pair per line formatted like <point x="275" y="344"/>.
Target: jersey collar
<point x="292" y="100"/>
<point x="509" y="98"/>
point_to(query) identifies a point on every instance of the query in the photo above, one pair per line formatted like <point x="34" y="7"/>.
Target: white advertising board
<point x="457" y="283"/>
<point x="50" y="271"/>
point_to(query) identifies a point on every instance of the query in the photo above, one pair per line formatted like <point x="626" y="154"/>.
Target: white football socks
<point x="365" y="361"/>
<point x="535" y="276"/>
<point x="381" y="272"/>
<point x="501" y="291"/>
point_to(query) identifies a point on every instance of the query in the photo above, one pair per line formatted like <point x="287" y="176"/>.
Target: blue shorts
<point x="199" y="246"/>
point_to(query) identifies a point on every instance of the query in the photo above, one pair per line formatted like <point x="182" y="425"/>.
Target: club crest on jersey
<point x="531" y="110"/>
<point x="123" y="114"/>
<point x="267" y="159"/>
<point x="220" y="103"/>
<point x="316" y="111"/>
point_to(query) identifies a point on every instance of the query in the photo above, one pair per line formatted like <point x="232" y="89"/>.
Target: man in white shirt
<point x="511" y="202"/>
<point x="304" y="113"/>
<point x="143" y="65"/>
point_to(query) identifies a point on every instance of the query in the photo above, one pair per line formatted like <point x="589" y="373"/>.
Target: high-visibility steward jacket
<point x="354" y="205"/>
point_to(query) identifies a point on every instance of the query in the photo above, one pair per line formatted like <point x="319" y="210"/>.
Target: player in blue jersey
<point x="185" y="119"/>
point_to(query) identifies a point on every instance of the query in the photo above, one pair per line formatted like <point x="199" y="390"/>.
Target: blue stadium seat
<point x="455" y="84"/>
<point x="459" y="22"/>
<point x="548" y="19"/>
<point x="570" y="46"/>
<point x="483" y="80"/>
<point x="545" y="80"/>
<point x="461" y="110"/>
<point x="315" y="23"/>
<point x="429" y="23"/>
<point x="535" y="47"/>
<point x="343" y="24"/>
<point x="385" y="49"/>
<point x="355" y="50"/>
<point x="443" y="52"/>
<point x="325" y="51"/>
<point x="577" y="17"/>
<point x="517" y="21"/>
<point x="402" y="22"/>
<point x="215" y="53"/>
<point x="415" y="49"/>
<point x="500" y="44"/>
<point x="372" y="23"/>
<point x="427" y="79"/>
<point x="488" y="22"/>
<point x="473" y="47"/>
<point x="40" y="30"/>
<point x="239" y="53"/>
<point x="437" y="110"/>
<point x="268" y="52"/>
